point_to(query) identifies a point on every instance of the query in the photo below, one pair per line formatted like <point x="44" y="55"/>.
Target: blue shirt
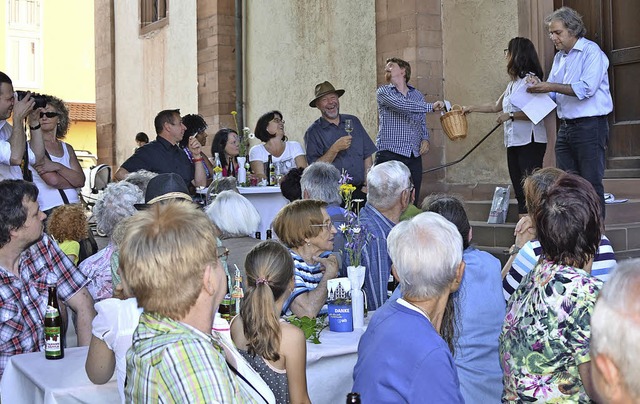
<point x="585" y="69"/>
<point x="322" y="134"/>
<point x="402" y="120"/>
<point x="306" y="278"/>
<point x="402" y="359"/>
<point x="375" y="256"/>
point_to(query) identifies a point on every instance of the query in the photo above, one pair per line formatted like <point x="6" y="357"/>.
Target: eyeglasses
<point x="506" y="51"/>
<point x="223" y="252"/>
<point x="328" y="225"/>
<point x="410" y="188"/>
<point x="49" y="114"/>
<point x="278" y="120"/>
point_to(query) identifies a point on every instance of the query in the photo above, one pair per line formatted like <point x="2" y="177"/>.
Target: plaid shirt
<point x="170" y="361"/>
<point x="375" y="256"/>
<point x="403" y="124"/>
<point x="23" y="300"/>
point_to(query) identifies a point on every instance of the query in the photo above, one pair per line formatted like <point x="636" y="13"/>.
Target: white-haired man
<point x="615" y="336"/>
<point x="390" y="192"/>
<point x="402" y="357"/>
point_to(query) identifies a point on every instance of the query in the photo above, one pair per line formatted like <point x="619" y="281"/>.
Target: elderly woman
<point x="60" y="176"/>
<point x="285" y="154"/>
<point x="196" y="126"/>
<point x="402" y="357"/>
<point x="116" y="203"/>
<point x="544" y="344"/>
<point x="237" y="229"/>
<point x="305" y="227"/>
<point x="227" y="144"/>
<point x="526" y="251"/>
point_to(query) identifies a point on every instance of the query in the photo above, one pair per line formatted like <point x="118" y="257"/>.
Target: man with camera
<point x="13" y="141"/>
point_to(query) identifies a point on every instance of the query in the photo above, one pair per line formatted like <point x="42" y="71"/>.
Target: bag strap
<point x="63" y="194"/>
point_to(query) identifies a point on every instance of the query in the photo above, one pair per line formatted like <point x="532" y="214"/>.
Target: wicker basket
<point x="454" y="123"/>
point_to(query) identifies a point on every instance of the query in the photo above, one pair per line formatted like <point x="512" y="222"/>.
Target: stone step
<point x="622" y="173"/>
<point x="623" y="162"/>
<point x="496" y="238"/>
<point x="618" y="213"/>
<point x="623" y="187"/>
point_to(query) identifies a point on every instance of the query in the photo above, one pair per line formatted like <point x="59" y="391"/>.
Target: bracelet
<point x="514" y="250"/>
<point x="35" y="127"/>
<point x="198" y="159"/>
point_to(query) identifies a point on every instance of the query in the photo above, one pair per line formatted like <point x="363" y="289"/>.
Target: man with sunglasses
<point x="12" y="138"/>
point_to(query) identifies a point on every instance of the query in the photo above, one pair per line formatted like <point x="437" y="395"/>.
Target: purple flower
<point x="537" y="346"/>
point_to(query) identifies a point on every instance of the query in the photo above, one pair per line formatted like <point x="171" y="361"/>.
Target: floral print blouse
<point x="546" y="333"/>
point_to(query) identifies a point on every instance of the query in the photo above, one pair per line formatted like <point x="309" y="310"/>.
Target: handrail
<point x="463" y="157"/>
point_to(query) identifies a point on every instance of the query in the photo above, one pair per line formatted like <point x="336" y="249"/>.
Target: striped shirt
<point x="307" y="278"/>
<point x="23" y="300"/>
<point x="172" y="362"/>
<point x="375" y="256"/>
<point x="403" y="124"/>
<point x="604" y="262"/>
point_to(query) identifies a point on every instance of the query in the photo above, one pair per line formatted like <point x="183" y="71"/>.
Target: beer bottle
<point x="53" y="346"/>
<point x="267" y="171"/>
<point x="258" y="236"/>
<point x="353" y="398"/>
<point x="217" y="168"/>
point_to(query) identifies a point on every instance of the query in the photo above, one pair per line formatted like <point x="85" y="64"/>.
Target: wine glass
<point x="348" y="126"/>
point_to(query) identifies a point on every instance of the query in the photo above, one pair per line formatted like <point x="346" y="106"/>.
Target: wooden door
<point x="613" y="25"/>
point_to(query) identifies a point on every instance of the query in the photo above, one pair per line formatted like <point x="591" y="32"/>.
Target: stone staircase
<point x="622" y="224"/>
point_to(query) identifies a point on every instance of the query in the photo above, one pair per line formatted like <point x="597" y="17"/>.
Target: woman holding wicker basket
<point x="526" y="142"/>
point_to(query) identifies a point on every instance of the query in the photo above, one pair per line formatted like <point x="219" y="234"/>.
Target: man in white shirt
<point x="13" y="139"/>
<point x="579" y="83"/>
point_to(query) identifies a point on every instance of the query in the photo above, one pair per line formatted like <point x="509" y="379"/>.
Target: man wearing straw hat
<point x="402" y="132"/>
<point x="328" y="140"/>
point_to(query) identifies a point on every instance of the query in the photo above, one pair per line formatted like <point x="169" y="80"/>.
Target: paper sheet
<point x="535" y="105"/>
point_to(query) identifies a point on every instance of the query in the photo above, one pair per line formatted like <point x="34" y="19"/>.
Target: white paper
<point x="447" y="106"/>
<point x="535" y="105"/>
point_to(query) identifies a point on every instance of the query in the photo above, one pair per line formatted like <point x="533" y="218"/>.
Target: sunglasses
<point x="49" y="114"/>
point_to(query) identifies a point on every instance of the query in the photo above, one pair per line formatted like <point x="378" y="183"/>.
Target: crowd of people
<point x="458" y="327"/>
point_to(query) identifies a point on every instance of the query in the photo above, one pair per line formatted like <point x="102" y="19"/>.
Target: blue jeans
<point x="581" y="147"/>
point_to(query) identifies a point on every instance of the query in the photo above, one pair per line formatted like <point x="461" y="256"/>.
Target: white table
<point x="268" y="201"/>
<point x="32" y="379"/>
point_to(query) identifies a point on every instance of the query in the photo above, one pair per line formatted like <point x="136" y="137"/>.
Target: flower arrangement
<point x="354" y="232"/>
<point x="244" y="136"/>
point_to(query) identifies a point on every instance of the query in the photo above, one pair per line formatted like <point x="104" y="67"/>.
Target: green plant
<point x="311" y="327"/>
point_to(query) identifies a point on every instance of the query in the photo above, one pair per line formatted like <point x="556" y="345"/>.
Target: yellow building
<point x="50" y="49"/>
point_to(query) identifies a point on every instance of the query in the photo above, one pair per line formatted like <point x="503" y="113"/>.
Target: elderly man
<point x="29" y="262"/>
<point x="166" y="260"/>
<point x="615" y="332"/>
<point x="321" y="181"/>
<point x="164" y="155"/>
<point x="579" y="83"/>
<point x="401" y="357"/>
<point x="12" y="138"/>
<point x="331" y="140"/>
<point x="390" y="192"/>
<point x="402" y="133"/>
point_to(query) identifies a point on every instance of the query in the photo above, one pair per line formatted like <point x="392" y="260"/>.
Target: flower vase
<point x="356" y="276"/>
<point x="242" y="172"/>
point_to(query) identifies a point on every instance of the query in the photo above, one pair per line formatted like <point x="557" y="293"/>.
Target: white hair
<point x="233" y="215"/>
<point x="322" y="182"/>
<point x="115" y="203"/>
<point x="615" y="323"/>
<point x="426" y="252"/>
<point x="385" y="183"/>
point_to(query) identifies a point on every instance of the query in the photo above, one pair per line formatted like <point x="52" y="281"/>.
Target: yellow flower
<point x="234" y="113"/>
<point x="217" y="169"/>
<point x="347" y="188"/>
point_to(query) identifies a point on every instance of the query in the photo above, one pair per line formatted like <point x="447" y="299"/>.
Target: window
<point x="23" y="46"/>
<point x="153" y="15"/>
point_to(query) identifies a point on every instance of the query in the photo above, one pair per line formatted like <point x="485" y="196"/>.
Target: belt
<point x="580" y="120"/>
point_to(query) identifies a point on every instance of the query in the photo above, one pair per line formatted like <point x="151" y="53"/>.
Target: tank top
<point x="48" y="196"/>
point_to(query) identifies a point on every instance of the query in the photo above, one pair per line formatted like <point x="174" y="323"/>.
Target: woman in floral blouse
<point x="544" y="344"/>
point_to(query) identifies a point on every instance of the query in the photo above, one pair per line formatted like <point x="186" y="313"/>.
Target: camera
<point x="41" y="100"/>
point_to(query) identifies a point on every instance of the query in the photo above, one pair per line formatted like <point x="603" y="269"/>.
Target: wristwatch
<point x="514" y="250"/>
<point x="35" y="127"/>
<point x="511" y="115"/>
